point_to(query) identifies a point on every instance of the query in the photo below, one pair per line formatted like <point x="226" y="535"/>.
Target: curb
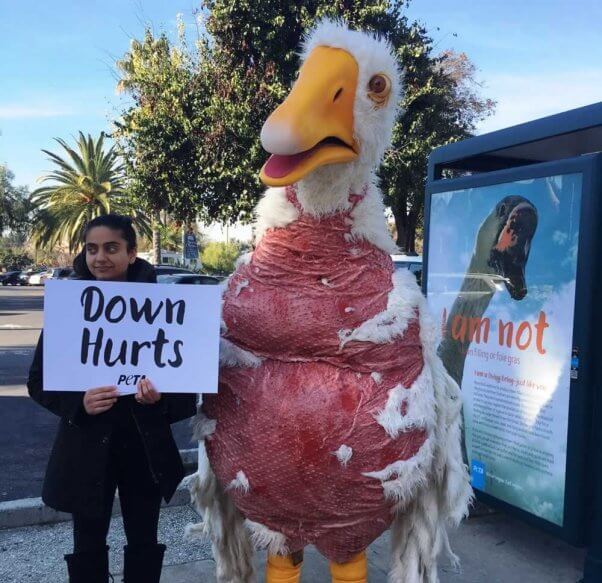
<point x="33" y="512"/>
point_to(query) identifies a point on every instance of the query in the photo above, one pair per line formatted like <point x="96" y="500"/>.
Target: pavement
<point x="493" y="548"/>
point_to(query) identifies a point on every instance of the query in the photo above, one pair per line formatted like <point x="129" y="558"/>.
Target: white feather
<point x="343" y="454"/>
<point x="420" y="404"/>
<point x="369" y="221"/>
<point x="231" y="355"/>
<point x="404" y="300"/>
<point x="264" y="538"/>
<point x="244" y="259"/>
<point x="202" y="426"/>
<point x="241" y="482"/>
<point x="273" y="211"/>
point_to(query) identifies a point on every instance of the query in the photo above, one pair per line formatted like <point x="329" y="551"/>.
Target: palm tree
<point x="88" y="182"/>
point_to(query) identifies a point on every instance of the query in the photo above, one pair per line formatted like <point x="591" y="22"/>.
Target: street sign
<point x="191" y="248"/>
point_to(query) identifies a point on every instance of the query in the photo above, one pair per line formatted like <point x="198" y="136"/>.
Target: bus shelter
<point x="511" y="272"/>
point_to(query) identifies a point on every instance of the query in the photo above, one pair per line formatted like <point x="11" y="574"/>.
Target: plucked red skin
<point x="282" y="422"/>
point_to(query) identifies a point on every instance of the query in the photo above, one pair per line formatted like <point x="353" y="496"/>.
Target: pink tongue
<point x="279" y="166"/>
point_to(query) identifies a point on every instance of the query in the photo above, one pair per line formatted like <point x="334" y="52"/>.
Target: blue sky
<point x="535" y="57"/>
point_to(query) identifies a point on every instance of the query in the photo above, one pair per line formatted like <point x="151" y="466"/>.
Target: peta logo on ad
<point x="130" y="379"/>
<point x="477" y="474"/>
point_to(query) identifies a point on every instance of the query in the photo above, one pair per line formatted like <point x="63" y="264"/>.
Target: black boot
<point x="88" y="566"/>
<point x="142" y="563"/>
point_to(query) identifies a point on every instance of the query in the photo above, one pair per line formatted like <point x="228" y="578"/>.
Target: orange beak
<point x="314" y="125"/>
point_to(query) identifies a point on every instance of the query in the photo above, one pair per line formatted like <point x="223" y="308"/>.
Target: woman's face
<point x="107" y="255"/>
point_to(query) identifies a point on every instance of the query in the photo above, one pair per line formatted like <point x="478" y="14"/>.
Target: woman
<point x="106" y="442"/>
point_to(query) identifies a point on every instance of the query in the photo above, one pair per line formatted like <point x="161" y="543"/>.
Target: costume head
<point x="341" y="109"/>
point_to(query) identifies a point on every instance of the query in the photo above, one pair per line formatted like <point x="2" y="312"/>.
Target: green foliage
<point x="171" y="236"/>
<point x="220" y="257"/>
<point x="88" y="182"/>
<point x="157" y="134"/>
<point x="12" y="259"/>
<point x="15" y="208"/>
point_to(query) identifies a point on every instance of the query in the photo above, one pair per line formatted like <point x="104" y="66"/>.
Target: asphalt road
<point x="26" y="429"/>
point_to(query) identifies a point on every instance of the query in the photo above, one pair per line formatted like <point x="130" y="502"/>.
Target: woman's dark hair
<point x="116" y="223"/>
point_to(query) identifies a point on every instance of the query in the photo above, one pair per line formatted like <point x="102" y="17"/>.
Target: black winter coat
<point x="77" y="468"/>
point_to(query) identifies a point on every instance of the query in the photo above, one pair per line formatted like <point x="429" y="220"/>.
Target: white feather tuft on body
<point x="264" y="538"/>
<point x="369" y="221"/>
<point x="402" y="305"/>
<point x="244" y="259"/>
<point x="273" y="211"/>
<point x="420" y="407"/>
<point x="343" y="454"/>
<point x="403" y="478"/>
<point x="202" y="426"/>
<point x="242" y="284"/>
<point x="222" y="524"/>
<point x="231" y="355"/>
<point x="241" y="482"/>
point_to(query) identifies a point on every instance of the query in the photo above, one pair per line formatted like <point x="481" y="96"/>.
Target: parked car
<point x="411" y="262"/>
<point x="37" y="278"/>
<point x="25" y="275"/>
<point x="52" y="273"/>
<point x="11" y="278"/>
<point x="170" y="270"/>
<point x="189" y="279"/>
<point x="59" y="273"/>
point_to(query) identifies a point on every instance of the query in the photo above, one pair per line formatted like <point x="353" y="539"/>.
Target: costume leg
<point x="286" y="569"/>
<point x="353" y="571"/>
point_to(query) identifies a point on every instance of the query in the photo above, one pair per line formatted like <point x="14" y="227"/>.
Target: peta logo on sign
<point x="130" y="379"/>
<point x="108" y="333"/>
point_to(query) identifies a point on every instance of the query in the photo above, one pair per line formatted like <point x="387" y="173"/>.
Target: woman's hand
<point x="147" y="394"/>
<point x="99" y="400"/>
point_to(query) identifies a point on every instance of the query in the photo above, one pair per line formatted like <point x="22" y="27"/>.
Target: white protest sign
<point x="111" y="333"/>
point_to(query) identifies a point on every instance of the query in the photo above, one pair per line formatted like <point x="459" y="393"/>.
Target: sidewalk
<point x="494" y="548"/>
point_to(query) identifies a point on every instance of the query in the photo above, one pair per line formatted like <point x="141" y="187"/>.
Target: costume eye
<point x="379" y="89"/>
<point x="378" y="84"/>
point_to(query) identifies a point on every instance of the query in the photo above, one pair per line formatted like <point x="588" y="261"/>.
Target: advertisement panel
<point x="502" y="270"/>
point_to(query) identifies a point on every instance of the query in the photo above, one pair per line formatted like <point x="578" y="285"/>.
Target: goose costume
<point x="335" y="420"/>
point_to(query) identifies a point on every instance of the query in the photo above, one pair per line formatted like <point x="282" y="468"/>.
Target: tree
<point x="15" y="208"/>
<point x="248" y="62"/>
<point x="157" y="134"/>
<point x="13" y="259"/>
<point x="88" y="182"/>
<point x="441" y="104"/>
<point x="220" y="257"/>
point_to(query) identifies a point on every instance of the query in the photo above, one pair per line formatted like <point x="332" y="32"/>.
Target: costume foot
<point x="283" y="569"/>
<point x="353" y="571"/>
